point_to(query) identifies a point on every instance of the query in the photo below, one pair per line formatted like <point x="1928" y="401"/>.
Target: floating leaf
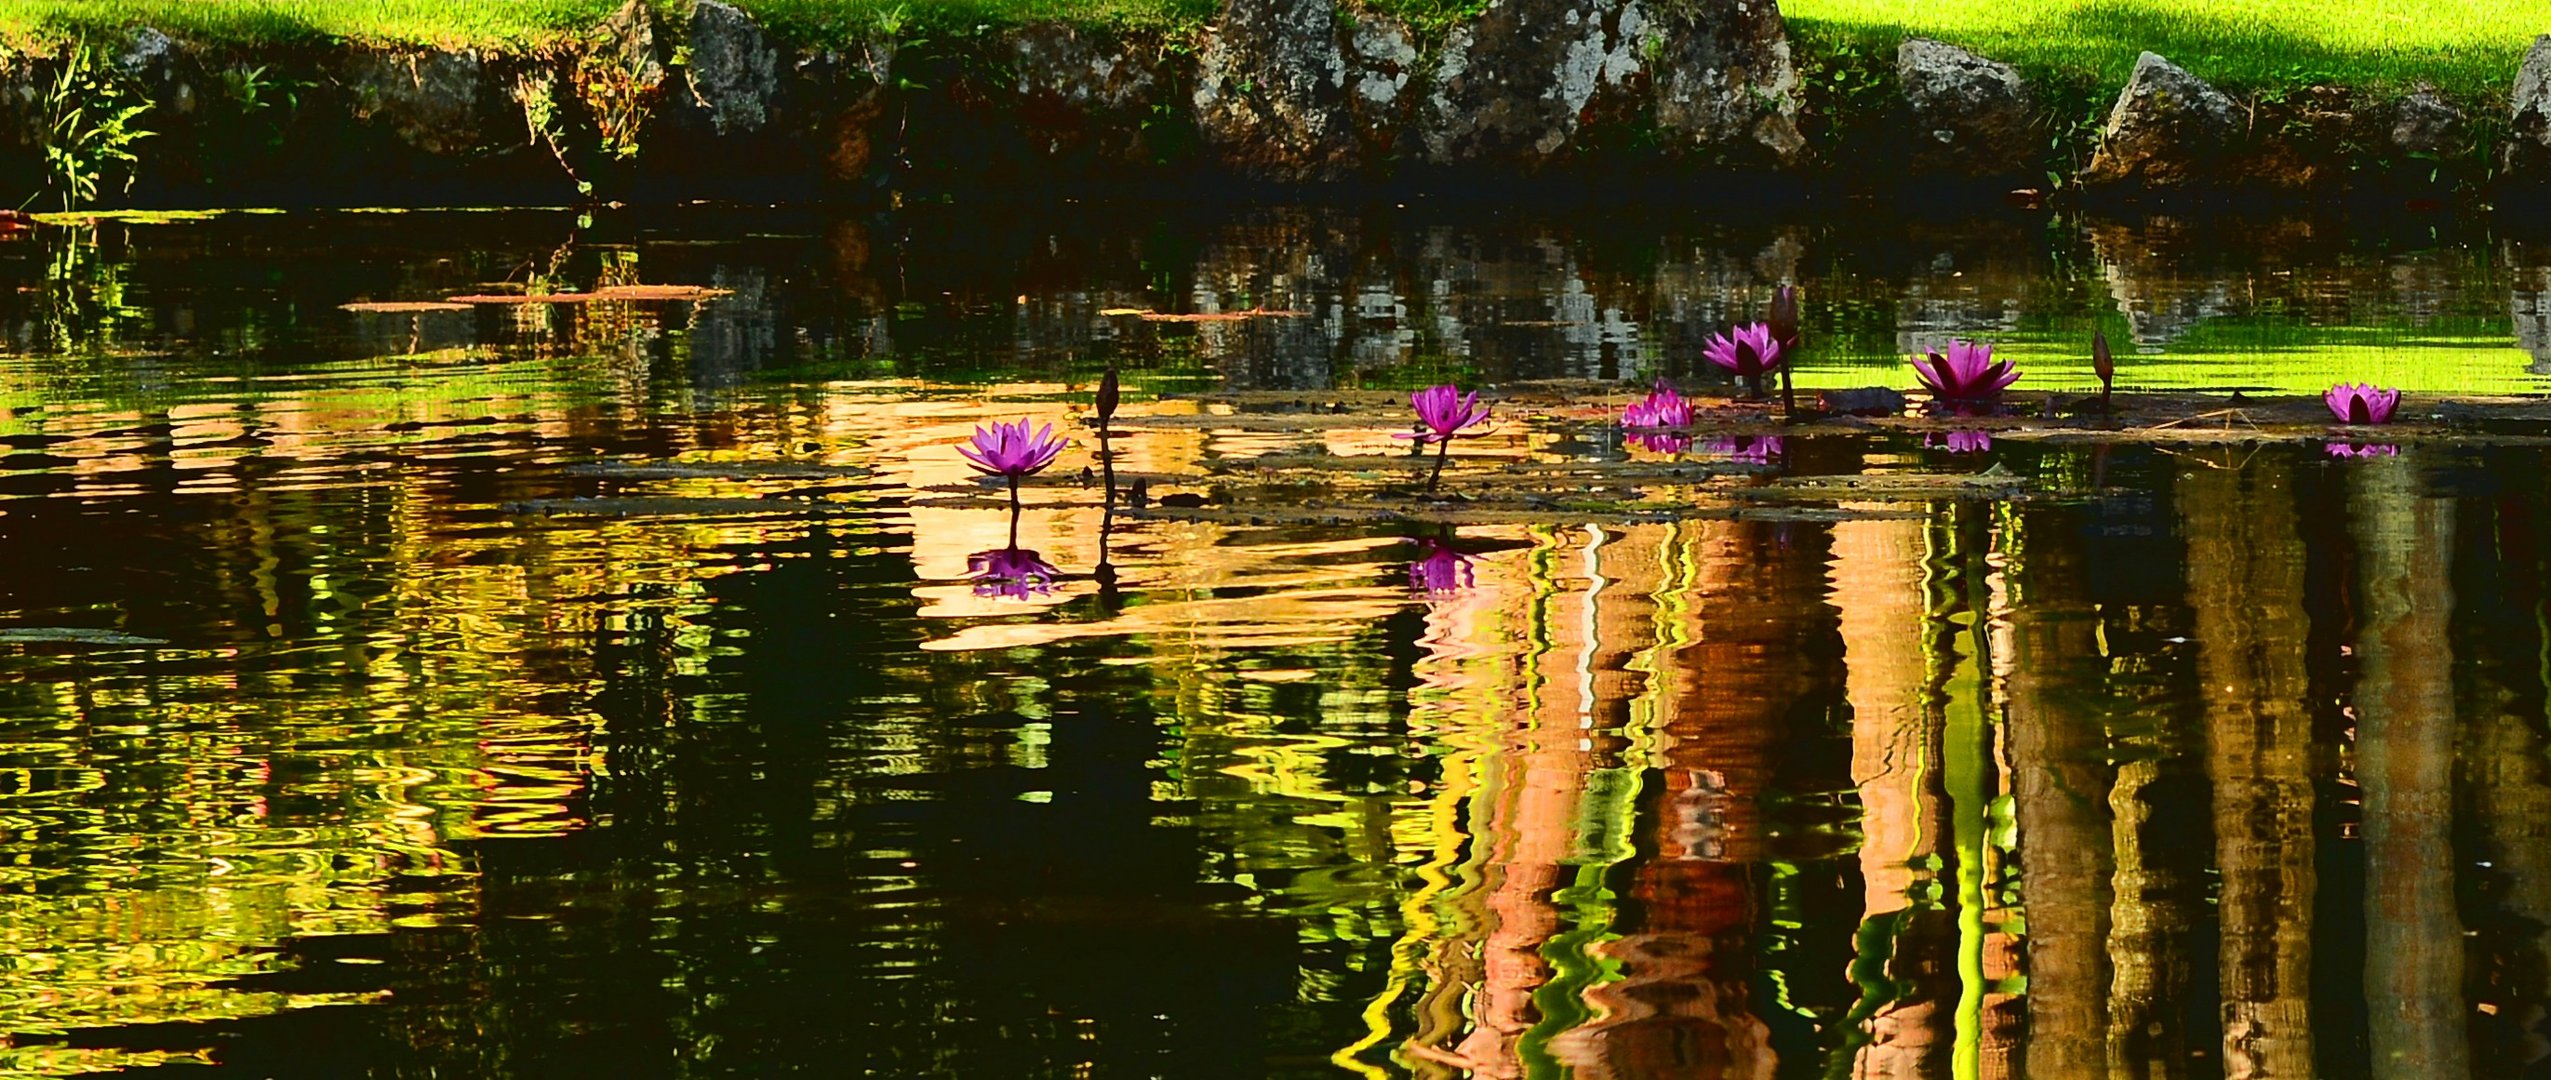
<point x="73" y="635"/>
<point x="402" y="307"/>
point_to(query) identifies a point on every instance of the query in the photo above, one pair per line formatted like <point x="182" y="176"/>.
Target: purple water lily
<point x="1444" y="413"/>
<point x="1781" y="315"/>
<point x="1968" y="375"/>
<point x="2361" y="403"/>
<point x="1011" y="451"/>
<point x="1662" y="408"/>
<point x="2363" y="450"/>
<point x="1961" y="442"/>
<point x="1748" y="449"/>
<point x="1654" y="421"/>
<point x="1439" y="569"/>
<point x="1748" y="351"/>
<point x="1013" y="572"/>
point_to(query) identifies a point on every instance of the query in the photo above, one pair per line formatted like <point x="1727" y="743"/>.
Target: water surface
<point x="602" y="689"/>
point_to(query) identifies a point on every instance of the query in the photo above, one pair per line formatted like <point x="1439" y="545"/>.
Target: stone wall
<point x="1273" y="92"/>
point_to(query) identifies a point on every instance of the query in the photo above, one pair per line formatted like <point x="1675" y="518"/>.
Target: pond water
<point x="614" y="688"/>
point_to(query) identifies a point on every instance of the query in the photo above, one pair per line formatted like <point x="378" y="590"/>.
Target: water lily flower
<point x="1013" y="572"/>
<point x="1444" y="413"/>
<point x="1961" y="442"/>
<point x="1967" y="375"/>
<point x="1012" y="451"/>
<point x="1748" y="449"/>
<point x="1782" y="317"/>
<point x="2361" y="403"/>
<point x="1439" y="569"/>
<point x="1662" y="408"/>
<point x="1109" y="390"/>
<point x="1748" y="351"/>
<point x="2354" y="450"/>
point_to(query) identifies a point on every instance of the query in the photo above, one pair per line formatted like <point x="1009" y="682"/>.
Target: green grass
<point x="2469" y="48"/>
<point x="531" y="23"/>
<point x="446" y="22"/>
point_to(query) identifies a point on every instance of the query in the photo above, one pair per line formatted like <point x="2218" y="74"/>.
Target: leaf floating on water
<point x="74" y="635"/>
<point x="716" y="470"/>
<point x="402" y="307"/>
<point x="1204" y="317"/>
<point x="661" y="292"/>
<point x="526" y="298"/>
<point x="670" y="507"/>
<point x="624" y="293"/>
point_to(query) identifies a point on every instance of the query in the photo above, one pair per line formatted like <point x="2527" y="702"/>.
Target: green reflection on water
<point x="641" y="766"/>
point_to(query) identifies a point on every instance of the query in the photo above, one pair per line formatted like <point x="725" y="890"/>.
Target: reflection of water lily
<point x="2363" y="450"/>
<point x="2361" y="403"/>
<point x="1662" y="444"/>
<point x="1961" y="442"/>
<point x="1748" y="449"/>
<point x="1967" y="375"/>
<point x="1014" y="572"/>
<point x="1439" y="569"/>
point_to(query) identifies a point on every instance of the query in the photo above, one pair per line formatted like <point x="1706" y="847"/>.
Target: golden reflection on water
<point x="1922" y="789"/>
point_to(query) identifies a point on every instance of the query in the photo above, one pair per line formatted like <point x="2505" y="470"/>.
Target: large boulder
<point x="2527" y="157"/>
<point x="2168" y="132"/>
<point x="1271" y="91"/>
<point x="1296" y="90"/>
<point x="1969" y="117"/>
<point x="445" y="103"/>
<point x="733" y="73"/>
<point x="1525" y="83"/>
<point x="1725" y="86"/>
<point x="1080" y="94"/>
<point x="1382" y="58"/>
<point x="1516" y="85"/>
<point x="2424" y="124"/>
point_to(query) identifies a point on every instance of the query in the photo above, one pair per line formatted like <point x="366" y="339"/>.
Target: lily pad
<point x="402" y="307"/>
<point x="75" y="635"/>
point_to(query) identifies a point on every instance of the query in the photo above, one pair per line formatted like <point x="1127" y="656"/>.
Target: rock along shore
<point x="1273" y="93"/>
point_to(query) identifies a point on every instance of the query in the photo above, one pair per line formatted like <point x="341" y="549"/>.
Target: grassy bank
<point x="527" y="23"/>
<point x="530" y="23"/>
<point x="2469" y="48"/>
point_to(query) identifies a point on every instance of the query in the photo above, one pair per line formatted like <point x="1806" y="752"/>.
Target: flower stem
<point x="1443" y="450"/>
<point x="1014" y="511"/>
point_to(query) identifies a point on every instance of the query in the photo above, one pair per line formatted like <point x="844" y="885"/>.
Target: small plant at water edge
<point x="89" y="129"/>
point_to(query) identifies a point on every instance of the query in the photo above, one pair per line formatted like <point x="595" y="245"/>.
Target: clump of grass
<point x="516" y="23"/>
<point x="2468" y="48"/>
<point x="530" y="24"/>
